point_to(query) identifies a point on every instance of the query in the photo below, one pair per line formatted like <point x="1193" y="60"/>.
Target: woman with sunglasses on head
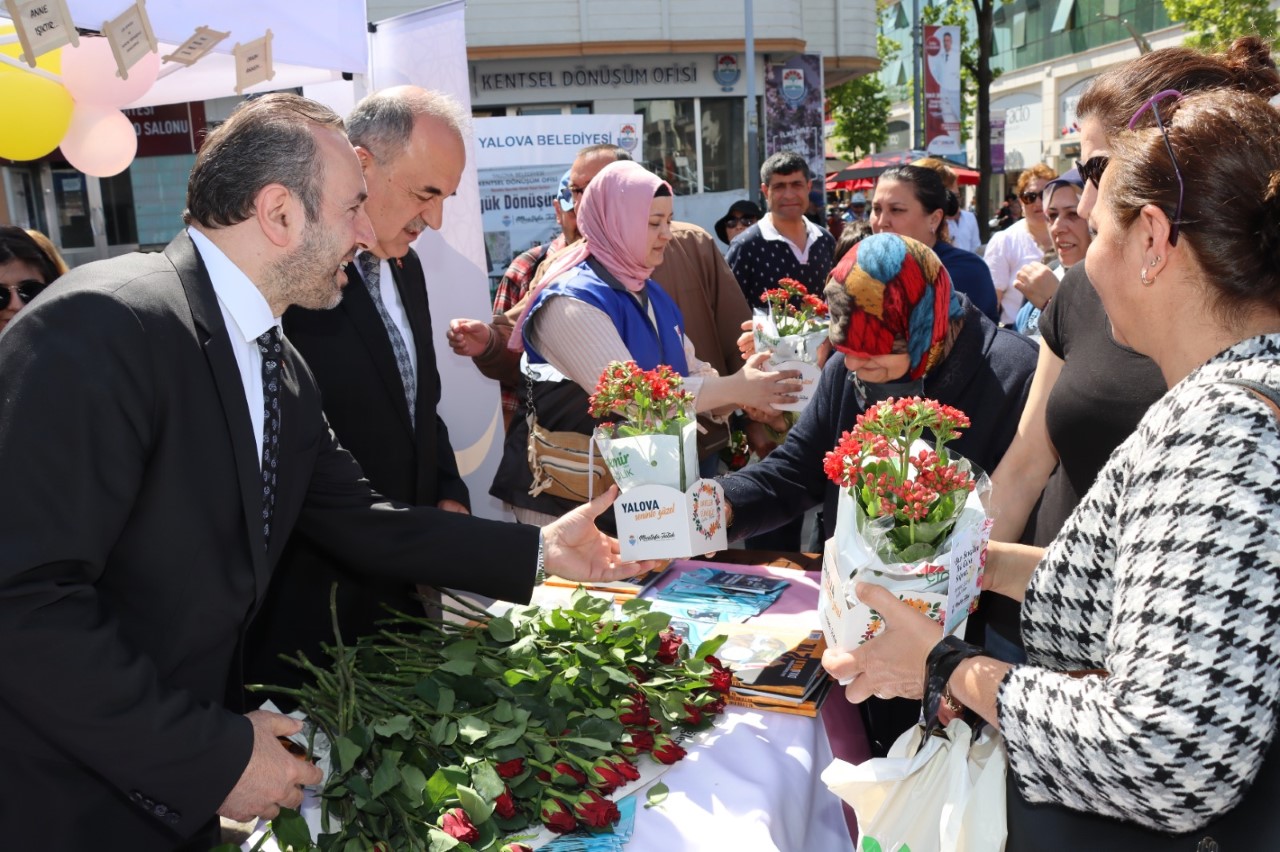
<point x="1023" y="242"/>
<point x="1167" y="597"/>
<point x="25" y="271"/>
<point x="912" y="201"/>
<point x="900" y="330"/>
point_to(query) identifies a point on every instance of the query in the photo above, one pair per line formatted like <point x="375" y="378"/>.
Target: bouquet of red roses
<point x="652" y="436"/>
<point x="792" y="328"/>
<point x="910" y="514"/>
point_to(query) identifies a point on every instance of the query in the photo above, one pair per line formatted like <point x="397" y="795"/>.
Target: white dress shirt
<point x="247" y="316"/>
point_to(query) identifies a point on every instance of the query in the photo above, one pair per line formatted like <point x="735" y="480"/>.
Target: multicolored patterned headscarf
<point x="892" y="294"/>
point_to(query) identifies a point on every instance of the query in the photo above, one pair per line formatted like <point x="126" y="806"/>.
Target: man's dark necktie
<point x="371" y="270"/>
<point x="270" y="347"/>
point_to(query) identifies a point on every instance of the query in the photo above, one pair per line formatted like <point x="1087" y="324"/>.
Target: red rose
<point x="692" y="715"/>
<point x="563" y="772"/>
<point x="455" y="823"/>
<point x="510" y="768"/>
<point x="638" y="673"/>
<point x="715" y="708"/>
<point x="605" y="777"/>
<point x="505" y="805"/>
<point x="638" y="742"/>
<point x="625" y="768"/>
<point x="667" y="750"/>
<point x="544" y="776"/>
<point x="633" y="710"/>
<point x="669" y="649"/>
<point x="516" y="847"/>
<point x="555" y="816"/>
<point x="595" y="810"/>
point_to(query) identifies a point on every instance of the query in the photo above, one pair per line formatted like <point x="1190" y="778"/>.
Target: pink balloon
<point x="101" y="141"/>
<point x="89" y="73"/>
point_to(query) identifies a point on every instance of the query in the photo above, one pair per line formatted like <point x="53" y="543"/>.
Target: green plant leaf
<point x="617" y="676"/>
<point x="441" y="842"/>
<point x="414" y="784"/>
<point x="347" y="754"/>
<point x="501" y="629"/>
<point x="710" y="646"/>
<point x="656" y="795"/>
<point x="459" y="667"/>
<point x="589" y="742"/>
<point x="395" y="725"/>
<point x="504" y="711"/>
<point x="464" y="649"/>
<point x="450" y="734"/>
<point x="505" y="736"/>
<point x="474" y="804"/>
<point x="447" y="701"/>
<point x="291" y="830"/>
<point x="472" y="728"/>
<point x="388" y="774"/>
<point x="439" y="790"/>
<point x="486" y="780"/>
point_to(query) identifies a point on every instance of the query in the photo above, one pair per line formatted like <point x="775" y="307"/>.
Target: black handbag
<point x="1252" y="824"/>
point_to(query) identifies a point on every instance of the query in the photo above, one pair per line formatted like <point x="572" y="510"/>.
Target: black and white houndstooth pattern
<point x="1168" y="577"/>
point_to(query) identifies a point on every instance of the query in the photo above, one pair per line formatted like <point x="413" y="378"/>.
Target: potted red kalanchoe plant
<point x="910" y="515"/>
<point x="792" y="326"/>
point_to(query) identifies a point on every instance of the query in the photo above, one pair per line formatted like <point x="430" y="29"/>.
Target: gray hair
<point x="383" y="122"/>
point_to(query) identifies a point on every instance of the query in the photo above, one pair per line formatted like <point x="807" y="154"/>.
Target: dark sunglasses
<point x="1091" y="169"/>
<point x="1028" y="197"/>
<point x="27" y="290"/>
<point x="1153" y="104"/>
<point x="739" y="221"/>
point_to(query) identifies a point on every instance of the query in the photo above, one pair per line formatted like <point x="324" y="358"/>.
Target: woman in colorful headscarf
<point x="597" y="304"/>
<point x="903" y="331"/>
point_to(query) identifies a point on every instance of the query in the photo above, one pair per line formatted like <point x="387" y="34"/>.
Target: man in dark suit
<point x="159" y="442"/>
<point x="374" y="360"/>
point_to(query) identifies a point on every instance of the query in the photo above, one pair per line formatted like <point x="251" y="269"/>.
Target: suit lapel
<point x="214" y="338"/>
<point x="359" y="306"/>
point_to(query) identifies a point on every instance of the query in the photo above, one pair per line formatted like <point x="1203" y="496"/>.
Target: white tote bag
<point x="947" y="796"/>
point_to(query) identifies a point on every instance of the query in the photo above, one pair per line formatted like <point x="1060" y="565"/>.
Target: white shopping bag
<point x="946" y="796"/>
<point x="670" y="460"/>
<point x="797" y="352"/>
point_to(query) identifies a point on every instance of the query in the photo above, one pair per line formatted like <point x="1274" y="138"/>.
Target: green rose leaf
<point x="388" y="774"/>
<point x="504" y="711"/>
<point x="414" y="784"/>
<point x="486" y="780"/>
<point x="347" y="753"/>
<point x="589" y="742"/>
<point x="505" y="736"/>
<point x="459" y="667"/>
<point x="656" y="795"/>
<point x="445" y="704"/>
<point x="501" y="629"/>
<point x="440" y="842"/>
<point x="439" y="790"/>
<point x="474" y="804"/>
<point x="393" y="726"/>
<point x="472" y="728"/>
<point x="710" y="646"/>
<point x="291" y="829"/>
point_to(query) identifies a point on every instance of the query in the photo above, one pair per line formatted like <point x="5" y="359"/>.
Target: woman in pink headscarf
<point x="598" y="304"/>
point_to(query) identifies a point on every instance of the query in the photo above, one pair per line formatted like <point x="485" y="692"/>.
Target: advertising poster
<point x="793" y="107"/>
<point x="997" y="145"/>
<point x="942" y="90"/>
<point x="519" y="161"/>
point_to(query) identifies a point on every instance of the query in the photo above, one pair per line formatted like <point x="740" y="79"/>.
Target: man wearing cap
<point x="520" y="274"/>
<point x="856" y="209"/>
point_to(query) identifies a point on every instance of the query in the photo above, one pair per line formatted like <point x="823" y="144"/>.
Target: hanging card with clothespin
<point x="253" y="63"/>
<point x="130" y="36"/>
<point x="42" y="25"/>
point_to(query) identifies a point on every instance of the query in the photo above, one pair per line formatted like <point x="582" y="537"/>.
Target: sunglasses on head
<point x="1028" y="197"/>
<point x="739" y="221"/>
<point x="26" y="290"/>
<point x="1091" y="169"/>
<point x="1153" y="104"/>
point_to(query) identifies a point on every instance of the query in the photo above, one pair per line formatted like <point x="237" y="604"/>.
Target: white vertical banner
<point x="942" y="90"/>
<point x="428" y="48"/>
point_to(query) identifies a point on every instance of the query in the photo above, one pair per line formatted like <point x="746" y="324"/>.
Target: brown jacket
<point x="695" y="275"/>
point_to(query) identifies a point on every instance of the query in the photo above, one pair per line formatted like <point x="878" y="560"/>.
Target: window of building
<point x="1064" y="18"/>
<point x="1020" y="29"/>
<point x="722" y="122"/>
<point x="670" y="142"/>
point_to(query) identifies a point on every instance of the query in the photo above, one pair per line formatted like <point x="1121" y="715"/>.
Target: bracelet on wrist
<point x="949" y="653"/>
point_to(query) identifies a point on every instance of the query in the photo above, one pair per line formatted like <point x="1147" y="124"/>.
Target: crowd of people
<point x="177" y="502"/>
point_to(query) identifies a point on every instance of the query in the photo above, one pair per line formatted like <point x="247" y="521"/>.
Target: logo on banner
<point x="506" y="220"/>
<point x="727" y="71"/>
<point x="793" y="87"/>
<point x="627" y="137"/>
<point x="932" y="46"/>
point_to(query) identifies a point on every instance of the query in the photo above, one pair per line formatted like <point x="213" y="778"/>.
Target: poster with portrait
<point x="793" y="98"/>
<point x="942" y="90"/>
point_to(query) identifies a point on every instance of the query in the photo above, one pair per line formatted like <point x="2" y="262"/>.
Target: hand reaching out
<point x="273" y="778"/>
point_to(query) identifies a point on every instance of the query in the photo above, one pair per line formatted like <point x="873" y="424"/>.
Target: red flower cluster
<point x="795" y="310"/>
<point x="875" y="464"/>
<point x="649" y="401"/>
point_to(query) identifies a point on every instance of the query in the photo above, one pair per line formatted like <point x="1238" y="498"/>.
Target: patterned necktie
<point x="370" y="268"/>
<point x="270" y="347"/>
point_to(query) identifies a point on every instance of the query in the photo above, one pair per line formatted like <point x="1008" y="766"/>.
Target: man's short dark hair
<point x="784" y="163"/>
<point x="619" y="153"/>
<point x="266" y="140"/>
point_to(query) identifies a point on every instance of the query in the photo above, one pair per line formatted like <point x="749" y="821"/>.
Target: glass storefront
<point x="672" y="129"/>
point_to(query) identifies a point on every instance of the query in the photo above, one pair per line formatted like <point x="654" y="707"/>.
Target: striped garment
<point x="1168" y="577"/>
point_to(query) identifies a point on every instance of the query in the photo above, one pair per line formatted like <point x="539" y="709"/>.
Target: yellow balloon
<point x="34" y="115"/>
<point x="51" y="61"/>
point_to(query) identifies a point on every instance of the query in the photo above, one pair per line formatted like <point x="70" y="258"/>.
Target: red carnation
<point x="595" y="810"/>
<point x="455" y="823"/>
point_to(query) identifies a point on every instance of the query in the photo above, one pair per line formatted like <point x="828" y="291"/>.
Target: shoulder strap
<point x="1268" y="393"/>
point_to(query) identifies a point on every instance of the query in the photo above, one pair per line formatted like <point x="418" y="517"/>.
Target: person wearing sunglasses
<point x="1023" y="242"/>
<point x="25" y="271"/>
<point x="741" y="216"/>
<point x="1038" y="282"/>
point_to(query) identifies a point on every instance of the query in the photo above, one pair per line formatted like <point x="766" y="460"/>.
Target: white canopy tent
<point x="311" y="42"/>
